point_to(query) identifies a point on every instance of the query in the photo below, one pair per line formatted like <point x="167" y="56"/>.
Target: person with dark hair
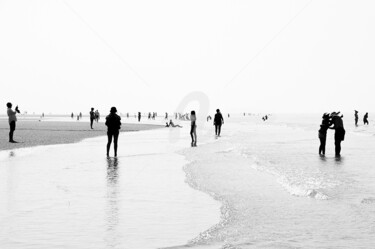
<point x="113" y="122"/>
<point x="365" y="121"/>
<point x="218" y="121"/>
<point x="323" y="133"/>
<point x="92" y="117"/>
<point x="12" y="121"/>
<point x="356" y="117"/>
<point x="338" y="126"/>
<point x="193" y="130"/>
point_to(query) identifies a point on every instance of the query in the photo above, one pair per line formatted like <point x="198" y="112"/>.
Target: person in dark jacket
<point x="218" y="121"/>
<point x="326" y="122"/>
<point x="338" y="126"/>
<point x="365" y="119"/>
<point x="113" y="122"/>
<point x="356" y="117"/>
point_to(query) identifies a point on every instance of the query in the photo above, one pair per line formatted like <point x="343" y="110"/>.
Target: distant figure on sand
<point x="171" y="124"/>
<point x="326" y="122"/>
<point x="193" y="130"/>
<point x="338" y="126"/>
<point x="139" y="116"/>
<point x="97" y="116"/>
<point x="113" y="122"/>
<point x="365" y="121"/>
<point x="12" y="121"/>
<point x="72" y="115"/>
<point x="92" y="117"/>
<point x="356" y="117"/>
<point x="218" y="121"/>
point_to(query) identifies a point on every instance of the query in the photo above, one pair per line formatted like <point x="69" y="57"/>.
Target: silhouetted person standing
<point x="12" y="121"/>
<point x="365" y="119"/>
<point x="113" y="122"/>
<point x="193" y="129"/>
<point x="218" y="121"/>
<point x="323" y="133"/>
<point x="92" y="117"/>
<point x="356" y="117"/>
<point x="139" y="116"/>
<point x="338" y="126"/>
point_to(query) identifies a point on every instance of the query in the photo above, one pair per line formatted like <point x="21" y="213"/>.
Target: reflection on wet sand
<point x="112" y="212"/>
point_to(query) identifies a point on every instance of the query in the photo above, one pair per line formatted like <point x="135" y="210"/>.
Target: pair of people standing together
<point x="328" y="120"/>
<point x="218" y="122"/>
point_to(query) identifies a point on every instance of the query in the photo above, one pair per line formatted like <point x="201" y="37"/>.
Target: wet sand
<point x="31" y="133"/>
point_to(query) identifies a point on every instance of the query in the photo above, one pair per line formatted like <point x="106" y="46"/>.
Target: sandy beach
<point x="32" y="132"/>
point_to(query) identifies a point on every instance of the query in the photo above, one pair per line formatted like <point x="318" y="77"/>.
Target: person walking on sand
<point x="139" y="116"/>
<point x="193" y="130"/>
<point x="12" y="121"/>
<point x="113" y="122"/>
<point x="338" y="126"/>
<point x="218" y="121"/>
<point x="323" y="133"/>
<point x="92" y="117"/>
<point x="356" y="117"/>
<point x="365" y="119"/>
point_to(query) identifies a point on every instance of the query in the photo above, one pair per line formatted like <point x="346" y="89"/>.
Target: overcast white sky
<point x="256" y="56"/>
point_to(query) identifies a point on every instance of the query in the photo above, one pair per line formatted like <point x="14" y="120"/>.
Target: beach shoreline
<point x="127" y="200"/>
<point x="31" y="133"/>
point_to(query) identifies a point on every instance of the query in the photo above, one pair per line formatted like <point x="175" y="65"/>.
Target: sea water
<point x="261" y="184"/>
<point x="73" y="196"/>
<point x="277" y="192"/>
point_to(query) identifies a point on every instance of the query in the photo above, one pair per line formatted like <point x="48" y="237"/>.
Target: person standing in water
<point x="356" y="117"/>
<point x="12" y="121"/>
<point x="193" y="130"/>
<point x="218" y="121"/>
<point x="323" y="133"/>
<point x="92" y="117"/>
<point x="113" y="122"/>
<point x="338" y="126"/>
<point x="365" y="121"/>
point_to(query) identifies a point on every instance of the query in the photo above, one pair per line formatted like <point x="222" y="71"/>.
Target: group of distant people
<point x="218" y="122"/>
<point x="94" y="116"/>
<point x="113" y="122"/>
<point x="365" y="118"/>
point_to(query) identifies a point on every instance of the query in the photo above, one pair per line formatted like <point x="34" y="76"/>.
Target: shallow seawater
<point x="265" y="180"/>
<point x="72" y="196"/>
<point x="277" y="192"/>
